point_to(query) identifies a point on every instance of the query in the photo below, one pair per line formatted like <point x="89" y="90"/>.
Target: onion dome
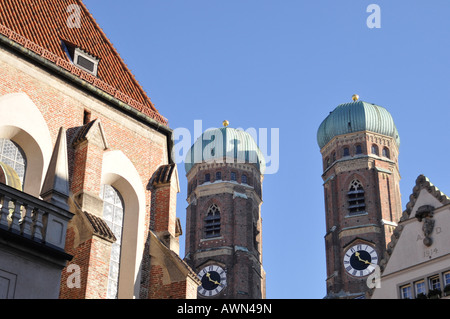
<point x="357" y="116"/>
<point x="225" y="145"/>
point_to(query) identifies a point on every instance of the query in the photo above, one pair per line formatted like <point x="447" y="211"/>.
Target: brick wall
<point x="62" y="104"/>
<point x="381" y="197"/>
<point x="235" y="248"/>
<point x="160" y="290"/>
<point x="97" y="280"/>
<point x="92" y="261"/>
<point x="69" y="283"/>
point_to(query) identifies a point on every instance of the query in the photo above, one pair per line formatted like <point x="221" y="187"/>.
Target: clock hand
<point x="213" y="281"/>
<point x="359" y="258"/>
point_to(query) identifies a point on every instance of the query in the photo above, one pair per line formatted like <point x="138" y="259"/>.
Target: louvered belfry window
<point x="212" y="222"/>
<point x="356" y="202"/>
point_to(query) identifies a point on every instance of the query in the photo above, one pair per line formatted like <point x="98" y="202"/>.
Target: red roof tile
<point x="41" y="25"/>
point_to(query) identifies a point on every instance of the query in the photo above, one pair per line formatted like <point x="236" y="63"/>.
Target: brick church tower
<point x="359" y="143"/>
<point x="225" y="171"/>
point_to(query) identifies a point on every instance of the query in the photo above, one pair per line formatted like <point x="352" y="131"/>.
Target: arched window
<point x="233" y="176"/>
<point x="218" y="176"/>
<point x="244" y="179"/>
<point x="375" y="149"/>
<point x="212" y="222"/>
<point x="11" y="154"/>
<point x="358" y="149"/>
<point x="346" y="152"/>
<point x="113" y="210"/>
<point x="386" y="152"/>
<point x="355" y="196"/>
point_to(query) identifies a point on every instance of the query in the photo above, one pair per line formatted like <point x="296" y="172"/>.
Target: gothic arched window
<point x="386" y="152"/>
<point x="113" y="209"/>
<point x="11" y="154"/>
<point x="212" y="222"/>
<point x="356" y="203"/>
<point x="374" y="149"/>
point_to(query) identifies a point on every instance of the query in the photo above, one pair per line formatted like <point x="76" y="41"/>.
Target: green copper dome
<point x="355" y="117"/>
<point x="226" y="145"/>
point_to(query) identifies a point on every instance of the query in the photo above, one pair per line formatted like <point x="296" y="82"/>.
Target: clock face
<point x="214" y="279"/>
<point x="360" y="260"/>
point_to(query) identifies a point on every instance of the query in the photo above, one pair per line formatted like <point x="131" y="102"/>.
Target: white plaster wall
<point x="22" y="122"/>
<point x="411" y="260"/>
<point x="20" y="270"/>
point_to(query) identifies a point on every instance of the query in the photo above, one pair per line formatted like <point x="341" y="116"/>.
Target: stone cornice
<point x="224" y="187"/>
<point x="214" y="164"/>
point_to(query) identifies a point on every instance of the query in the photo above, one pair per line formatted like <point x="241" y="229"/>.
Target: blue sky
<point x="286" y="64"/>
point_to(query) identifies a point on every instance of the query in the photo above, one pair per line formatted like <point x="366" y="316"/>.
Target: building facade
<point x="359" y="144"/>
<point x="416" y="264"/>
<point x="90" y="150"/>
<point x="225" y="171"/>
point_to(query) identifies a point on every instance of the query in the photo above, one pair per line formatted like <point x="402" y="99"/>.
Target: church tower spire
<point x="360" y="145"/>
<point x="225" y="170"/>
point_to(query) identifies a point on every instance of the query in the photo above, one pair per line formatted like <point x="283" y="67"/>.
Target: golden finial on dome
<point x="355" y="97"/>
<point x="225" y="123"/>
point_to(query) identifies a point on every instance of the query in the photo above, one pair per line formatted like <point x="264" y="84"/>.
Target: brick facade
<point x="115" y="130"/>
<point x="238" y="248"/>
<point x="379" y="177"/>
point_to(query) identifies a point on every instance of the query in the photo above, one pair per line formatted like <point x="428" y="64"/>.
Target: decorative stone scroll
<point x="425" y="214"/>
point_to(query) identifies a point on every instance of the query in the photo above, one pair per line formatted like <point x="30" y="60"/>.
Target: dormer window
<point x="85" y="61"/>
<point x="80" y="58"/>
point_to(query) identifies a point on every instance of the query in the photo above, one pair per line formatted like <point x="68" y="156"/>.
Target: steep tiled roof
<point x="42" y="25"/>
